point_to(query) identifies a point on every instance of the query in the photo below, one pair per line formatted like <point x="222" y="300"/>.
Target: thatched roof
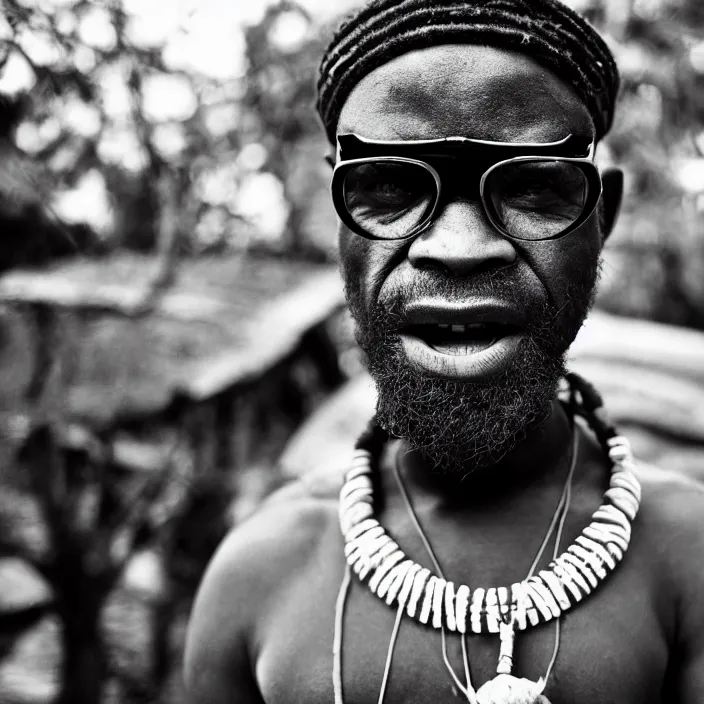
<point x="224" y="321"/>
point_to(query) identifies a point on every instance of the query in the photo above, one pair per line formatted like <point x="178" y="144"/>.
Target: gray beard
<point x="464" y="426"/>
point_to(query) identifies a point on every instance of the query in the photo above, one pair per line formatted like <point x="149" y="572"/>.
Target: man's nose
<point x="462" y="241"/>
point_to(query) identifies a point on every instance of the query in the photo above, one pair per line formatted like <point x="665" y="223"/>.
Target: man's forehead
<point x="464" y="90"/>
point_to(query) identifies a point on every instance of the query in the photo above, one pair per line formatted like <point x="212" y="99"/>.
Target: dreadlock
<point x="551" y="33"/>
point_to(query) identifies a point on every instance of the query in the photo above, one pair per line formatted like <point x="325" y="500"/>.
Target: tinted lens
<point x="534" y="200"/>
<point x="389" y="199"/>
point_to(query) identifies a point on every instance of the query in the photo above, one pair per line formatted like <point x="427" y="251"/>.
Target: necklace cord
<point x="337" y="638"/>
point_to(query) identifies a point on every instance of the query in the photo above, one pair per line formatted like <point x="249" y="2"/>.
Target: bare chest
<point x="610" y="649"/>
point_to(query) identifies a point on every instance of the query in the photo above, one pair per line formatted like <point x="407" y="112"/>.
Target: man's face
<point x="465" y="395"/>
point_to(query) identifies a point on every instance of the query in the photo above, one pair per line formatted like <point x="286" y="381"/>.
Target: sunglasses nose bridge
<point x="461" y="239"/>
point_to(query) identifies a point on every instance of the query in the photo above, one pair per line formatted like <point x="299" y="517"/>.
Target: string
<point x="560" y="516"/>
<point x="337" y="638"/>
<point x="390" y="654"/>
<point x="558" y="539"/>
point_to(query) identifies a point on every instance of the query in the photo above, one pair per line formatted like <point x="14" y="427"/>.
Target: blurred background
<point x="173" y="339"/>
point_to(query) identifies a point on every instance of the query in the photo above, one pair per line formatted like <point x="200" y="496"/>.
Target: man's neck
<point x="539" y="460"/>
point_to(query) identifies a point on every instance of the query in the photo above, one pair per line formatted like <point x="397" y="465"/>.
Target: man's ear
<point x="612" y="195"/>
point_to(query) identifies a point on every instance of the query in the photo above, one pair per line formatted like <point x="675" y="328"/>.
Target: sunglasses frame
<point x="585" y="164"/>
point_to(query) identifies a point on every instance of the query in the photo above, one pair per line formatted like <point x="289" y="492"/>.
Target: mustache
<point x="508" y="285"/>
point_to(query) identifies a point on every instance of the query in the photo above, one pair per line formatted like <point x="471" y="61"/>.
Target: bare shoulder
<point x="672" y="523"/>
<point x="277" y="541"/>
<point x="672" y="513"/>
<point x="671" y="499"/>
<point x="268" y="552"/>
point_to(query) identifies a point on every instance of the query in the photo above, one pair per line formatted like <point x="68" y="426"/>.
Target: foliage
<point x="655" y="262"/>
<point x="101" y="121"/>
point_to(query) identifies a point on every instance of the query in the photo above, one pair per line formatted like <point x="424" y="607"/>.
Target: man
<point x="472" y="221"/>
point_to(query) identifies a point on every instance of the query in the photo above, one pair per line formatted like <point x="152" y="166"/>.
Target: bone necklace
<point x="377" y="559"/>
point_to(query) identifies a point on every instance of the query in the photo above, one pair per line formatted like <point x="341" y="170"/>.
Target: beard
<point x="464" y="426"/>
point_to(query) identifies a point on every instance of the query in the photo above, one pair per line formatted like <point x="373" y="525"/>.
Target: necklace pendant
<point x="506" y="689"/>
<point x="507" y="633"/>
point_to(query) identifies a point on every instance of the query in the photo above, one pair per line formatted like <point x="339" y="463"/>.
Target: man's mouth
<point x="471" y="341"/>
<point x="459" y="339"/>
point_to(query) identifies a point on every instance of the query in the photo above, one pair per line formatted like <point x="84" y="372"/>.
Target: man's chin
<point x="461" y="425"/>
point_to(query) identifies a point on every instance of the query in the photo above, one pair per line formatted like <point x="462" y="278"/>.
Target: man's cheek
<point x="562" y="264"/>
<point x="365" y="265"/>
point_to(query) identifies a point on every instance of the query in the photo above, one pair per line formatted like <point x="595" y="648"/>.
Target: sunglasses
<point x="396" y="190"/>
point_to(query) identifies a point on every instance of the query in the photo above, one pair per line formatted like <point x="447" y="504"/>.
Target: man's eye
<point x="388" y="193"/>
<point x="553" y="193"/>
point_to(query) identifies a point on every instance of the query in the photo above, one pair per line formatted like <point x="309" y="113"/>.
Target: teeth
<point x="461" y="329"/>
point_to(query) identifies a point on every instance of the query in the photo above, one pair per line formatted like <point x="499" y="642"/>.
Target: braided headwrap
<point x="548" y="31"/>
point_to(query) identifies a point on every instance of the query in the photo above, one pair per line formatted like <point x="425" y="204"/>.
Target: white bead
<point x="518" y="606"/>
<point x="475" y="610"/>
<point x="537" y="601"/>
<point x="407" y="585"/>
<point x="428" y="600"/>
<point x="373" y="547"/>
<point x="619" y="440"/>
<point x="356" y="515"/>
<point x="614" y="534"/>
<point x="567" y="562"/>
<point x="532" y="612"/>
<point x="396" y="586"/>
<point x="623" y="500"/>
<point x="358" y="470"/>
<point x="554" y="584"/>
<point x="390" y="579"/>
<point x="541" y="588"/>
<point x="598" y="550"/>
<point x="364" y="540"/>
<point x="389" y="549"/>
<point x="626" y="480"/>
<point x="418" y="583"/>
<point x="604" y="534"/>
<point x="354" y="500"/>
<point x="362" y="483"/>
<point x="502" y="594"/>
<point x="438" y="601"/>
<point x="616" y="551"/>
<point x="575" y="575"/>
<point x="567" y="581"/>
<point x="451" y="622"/>
<point x="351" y="497"/>
<point x="387" y="564"/>
<point x="493" y="616"/>
<point x="583" y="566"/>
<point x="589" y="558"/>
<point x="461" y="604"/>
<point x="359" y="565"/>
<point x="618" y="453"/>
<point x="360" y="528"/>
<point x="365" y="568"/>
<point x="610" y="514"/>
